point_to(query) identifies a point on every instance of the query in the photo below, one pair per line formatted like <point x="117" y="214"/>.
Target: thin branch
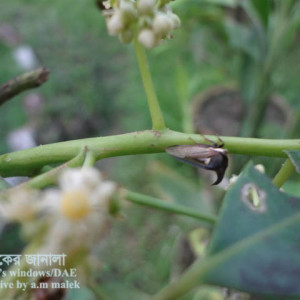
<point x="284" y="173"/>
<point x="169" y="207"/>
<point x="22" y="83"/>
<point x="153" y="104"/>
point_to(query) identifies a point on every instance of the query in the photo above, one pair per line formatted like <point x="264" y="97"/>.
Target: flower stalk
<point x="156" y="114"/>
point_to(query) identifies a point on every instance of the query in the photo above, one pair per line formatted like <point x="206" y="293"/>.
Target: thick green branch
<point x="30" y="161"/>
<point x="23" y="82"/>
<point x="50" y="177"/>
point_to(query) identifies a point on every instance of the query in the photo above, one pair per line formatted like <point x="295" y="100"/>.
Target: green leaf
<point x="262" y="8"/>
<point x="292" y="188"/>
<point x="243" y="38"/>
<point x="256" y="245"/>
<point x="294" y="156"/>
<point x="226" y="3"/>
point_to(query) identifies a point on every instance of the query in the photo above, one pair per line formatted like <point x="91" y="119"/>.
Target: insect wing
<point x="193" y="162"/>
<point x="188" y="151"/>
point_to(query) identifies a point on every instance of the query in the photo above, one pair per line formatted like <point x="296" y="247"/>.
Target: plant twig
<point x="50" y="177"/>
<point x="89" y="160"/>
<point x="169" y="207"/>
<point x="156" y="115"/>
<point x="284" y="173"/>
<point x="23" y="82"/>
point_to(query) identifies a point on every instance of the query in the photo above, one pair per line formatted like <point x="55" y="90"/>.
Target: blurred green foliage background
<point x="95" y="89"/>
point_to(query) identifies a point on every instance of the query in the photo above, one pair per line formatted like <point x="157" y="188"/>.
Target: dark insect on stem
<point x="209" y="157"/>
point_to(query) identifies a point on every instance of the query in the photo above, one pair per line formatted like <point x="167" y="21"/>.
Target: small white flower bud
<point x="162" y="24"/>
<point x="232" y="180"/>
<point x="147" y="38"/>
<point x="260" y="168"/>
<point x="145" y="7"/>
<point x="165" y="9"/>
<point x="23" y="205"/>
<point x="103" y="194"/>
<point x="115" y="23"/>
<point x="145" y="21"/>
<point x="128" y="12"/>
<point x="175" y="20"/>
<point x="86" y="178"/>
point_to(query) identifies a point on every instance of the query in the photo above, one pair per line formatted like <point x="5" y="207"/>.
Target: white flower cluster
<point x="76" y="213"/>
<point x="22" y="205"/>
<point x="150" y="20"/>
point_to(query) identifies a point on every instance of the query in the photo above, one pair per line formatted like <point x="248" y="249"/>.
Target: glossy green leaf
<point x="294" y="156"/>
<point x="256" y="244"/>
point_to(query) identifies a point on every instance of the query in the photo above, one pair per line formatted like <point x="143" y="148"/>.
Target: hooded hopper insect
<point x="209" y="157"/>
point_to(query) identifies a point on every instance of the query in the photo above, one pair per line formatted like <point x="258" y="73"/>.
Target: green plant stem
<point x="256" y="110"/>
<point x="284" y="173"/>
<point x="29" y="162"/>
<point x="197" y="273"/>
<point x="156" y="114"/>
<point x="89" y="160"/>
<point x="50" y="177"/>
<point x="169" y="207"/>
<point x="277" y="46"/>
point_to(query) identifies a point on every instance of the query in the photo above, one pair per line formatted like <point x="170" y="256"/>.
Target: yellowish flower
<point x="78" y="208"/>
